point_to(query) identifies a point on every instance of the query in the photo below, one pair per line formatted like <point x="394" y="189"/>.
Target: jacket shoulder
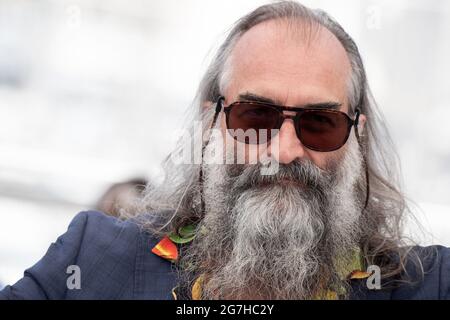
<point x="425" y="275"/>
<point x="428" y="273"/>
<point x="100" y="248"/>
<point x="436" y="263"/>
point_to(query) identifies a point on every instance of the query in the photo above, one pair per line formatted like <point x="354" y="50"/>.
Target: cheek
<point x="240" y="153"/>
<point x="325" y="160"/>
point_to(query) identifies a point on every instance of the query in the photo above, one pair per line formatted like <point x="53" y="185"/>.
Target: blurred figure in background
<point x="121" y="195"/>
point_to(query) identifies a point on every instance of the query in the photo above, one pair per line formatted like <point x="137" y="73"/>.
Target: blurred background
<point x="92" y="92"/>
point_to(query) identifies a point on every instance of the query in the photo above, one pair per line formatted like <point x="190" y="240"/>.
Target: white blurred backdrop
<point x="92" y="92"/>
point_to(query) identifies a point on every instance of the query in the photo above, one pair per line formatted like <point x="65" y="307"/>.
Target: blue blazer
<point x="116" y="262"/>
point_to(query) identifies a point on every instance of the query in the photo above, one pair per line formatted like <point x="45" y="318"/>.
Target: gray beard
<point x="277" y="236"/>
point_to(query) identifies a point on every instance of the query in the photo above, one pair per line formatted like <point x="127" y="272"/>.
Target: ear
<point x="361" y="123"/>
<point x="207" y="104"/>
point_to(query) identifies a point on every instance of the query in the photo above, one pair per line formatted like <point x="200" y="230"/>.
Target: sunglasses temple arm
<point x="200" y="176"/>
<point x="218" y="109"/>
<point x="366" y="168"/>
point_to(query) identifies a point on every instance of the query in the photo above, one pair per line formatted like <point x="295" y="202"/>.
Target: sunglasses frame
<point x="299" y="111"/>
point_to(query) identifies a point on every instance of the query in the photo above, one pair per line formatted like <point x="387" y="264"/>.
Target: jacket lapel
<point x="154" y="277"/>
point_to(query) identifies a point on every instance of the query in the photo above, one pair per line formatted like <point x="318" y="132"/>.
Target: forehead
<point x="291" y="67"/>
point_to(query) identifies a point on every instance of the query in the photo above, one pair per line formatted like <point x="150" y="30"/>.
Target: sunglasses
<point x="317" y="128"/>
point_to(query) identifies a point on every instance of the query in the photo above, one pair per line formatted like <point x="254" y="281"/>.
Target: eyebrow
<point x="248" y="96"/>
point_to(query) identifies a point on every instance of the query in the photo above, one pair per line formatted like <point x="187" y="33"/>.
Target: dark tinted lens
<point x="251" y="123"/>
<point x="323" y="130"/>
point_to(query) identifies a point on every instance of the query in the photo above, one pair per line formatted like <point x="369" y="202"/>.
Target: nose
<point x="286" y="147"/>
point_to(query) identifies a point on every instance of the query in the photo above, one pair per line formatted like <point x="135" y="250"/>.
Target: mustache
<point x="303" y="174"/>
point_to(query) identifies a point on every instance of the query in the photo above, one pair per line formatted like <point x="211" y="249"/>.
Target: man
<point x="316" y="216"/>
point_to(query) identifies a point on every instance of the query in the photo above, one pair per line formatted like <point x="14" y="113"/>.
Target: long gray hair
<point x="177" y="199"/>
